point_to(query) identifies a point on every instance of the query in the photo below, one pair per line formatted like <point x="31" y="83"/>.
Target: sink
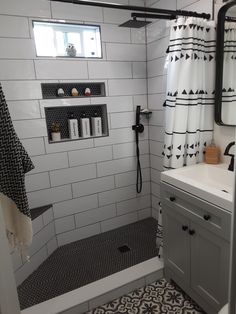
<point x="213" y="183"/>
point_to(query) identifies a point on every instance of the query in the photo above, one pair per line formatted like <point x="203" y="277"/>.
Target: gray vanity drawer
<point x="209" y="216"/>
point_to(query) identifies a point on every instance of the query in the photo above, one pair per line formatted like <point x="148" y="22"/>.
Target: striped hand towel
<point x="14" y="163"/>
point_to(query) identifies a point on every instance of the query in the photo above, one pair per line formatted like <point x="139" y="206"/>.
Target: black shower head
<point x="134" y="23"/>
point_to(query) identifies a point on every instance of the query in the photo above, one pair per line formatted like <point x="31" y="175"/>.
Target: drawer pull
<point x="184" y="228"/>
<point x="172" y="198"/>
<point x="207" y="217"/>
<point x="191" y="232"/>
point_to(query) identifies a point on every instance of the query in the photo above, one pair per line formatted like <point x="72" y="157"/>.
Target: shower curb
<point x="101" y="291"/>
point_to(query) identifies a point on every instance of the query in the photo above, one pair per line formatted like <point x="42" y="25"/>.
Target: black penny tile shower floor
<point x="79" y="263"/>
<point x="161" y="297"/>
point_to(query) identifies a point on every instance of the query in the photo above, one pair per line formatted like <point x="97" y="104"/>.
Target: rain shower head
<point x="134" y="23"/>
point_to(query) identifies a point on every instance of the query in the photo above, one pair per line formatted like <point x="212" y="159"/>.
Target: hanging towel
<point x="14" y="163"/>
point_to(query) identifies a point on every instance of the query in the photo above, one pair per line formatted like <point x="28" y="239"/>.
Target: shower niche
<point x="58" y="120"/>
<point x="64" y="90"/>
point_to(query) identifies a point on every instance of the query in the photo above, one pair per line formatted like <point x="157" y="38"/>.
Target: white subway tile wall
<point x="17" y="69"/>
<point x="91" y="155"/>
<point x="13" y="26"/>
<point x="93" y="186"/>
<point x="95" y="215"/>
<point x="35" y="261"/>
<point x="84" y="180"/>
<point x="49" y="196"/>
<point x="157" y="43"/>
<point x="79" y="234"/>
<point x="76" y="205"/>
<point x="34" y="146"/>
<point x="129" y="178"/>
<point x="60" y="70"/>
<point x="44" y="244"/>
<point x="37" y="182"/>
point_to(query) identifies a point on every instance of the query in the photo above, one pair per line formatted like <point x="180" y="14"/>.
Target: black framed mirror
<point x="225" y="91"/>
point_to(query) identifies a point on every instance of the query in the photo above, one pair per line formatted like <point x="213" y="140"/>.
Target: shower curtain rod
<point x="230" y="19"/>
<point x="137" y="8"/>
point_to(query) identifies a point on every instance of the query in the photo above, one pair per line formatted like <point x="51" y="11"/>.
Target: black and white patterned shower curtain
<point x="229" y="81"/>
<point x="189" y="105"/>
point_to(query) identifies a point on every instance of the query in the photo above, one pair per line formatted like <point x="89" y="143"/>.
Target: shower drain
<point x="124" y="248"/>
<point x="225" y="191"/>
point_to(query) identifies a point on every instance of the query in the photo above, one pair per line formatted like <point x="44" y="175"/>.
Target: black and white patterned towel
<point x="14" y="163"/>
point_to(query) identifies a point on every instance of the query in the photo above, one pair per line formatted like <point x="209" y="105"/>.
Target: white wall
<point x="91" y="183"/>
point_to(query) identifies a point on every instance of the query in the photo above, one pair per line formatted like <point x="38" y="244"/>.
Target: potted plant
<point x="55" y="131"/>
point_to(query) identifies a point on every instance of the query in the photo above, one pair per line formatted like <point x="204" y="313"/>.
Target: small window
<point x="54" y="39"/>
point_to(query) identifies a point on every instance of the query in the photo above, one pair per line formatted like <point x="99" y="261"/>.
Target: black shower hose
<point x="139" y="180"/>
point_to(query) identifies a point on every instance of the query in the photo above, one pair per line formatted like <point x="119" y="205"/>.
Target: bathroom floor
<point x="157" y="298"/>
<point x="79" y="263"/>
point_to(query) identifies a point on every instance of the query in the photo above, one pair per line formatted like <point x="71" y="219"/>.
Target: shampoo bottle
<point x="85" y="126"/>
<point x="73" y="127"/>
<point x="96" y="125"/>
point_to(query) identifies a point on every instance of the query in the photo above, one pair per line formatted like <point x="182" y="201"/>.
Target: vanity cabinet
<point x="196" y="247"/>
<point x="176" y="242"/>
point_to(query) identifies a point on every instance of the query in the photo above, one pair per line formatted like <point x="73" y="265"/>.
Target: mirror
<point x="57" y="39"/>
<point x="225" y="109"/>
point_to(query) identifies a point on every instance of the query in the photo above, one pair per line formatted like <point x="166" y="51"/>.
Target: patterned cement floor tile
<point x="161" y="297"/>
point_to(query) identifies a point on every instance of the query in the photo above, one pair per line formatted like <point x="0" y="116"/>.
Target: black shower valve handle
<point x="138" y="128"/>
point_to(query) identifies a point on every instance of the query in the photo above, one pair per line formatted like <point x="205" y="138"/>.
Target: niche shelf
<point x="49" y="90"/>
<point x="60" y="114"/>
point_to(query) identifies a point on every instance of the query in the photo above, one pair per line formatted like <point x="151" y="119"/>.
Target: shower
<point x="138" y="128"/>
<point x="134" y="23"/>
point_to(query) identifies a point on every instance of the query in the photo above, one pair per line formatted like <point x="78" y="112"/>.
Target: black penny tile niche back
<point x="58" y="117"/>
<point x="65" y="90"/>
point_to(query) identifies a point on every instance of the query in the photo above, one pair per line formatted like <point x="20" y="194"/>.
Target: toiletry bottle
<point x="74" y="92"/>
<point x="212" y="154"/>
<point x="87" y="92"/>
<point x="85" y="126"/>
<point x="73" y="127"/>
<point x="96" y="125"/>
<point x="60" y="92"/>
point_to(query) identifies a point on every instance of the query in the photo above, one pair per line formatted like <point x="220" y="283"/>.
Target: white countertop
<point x="212" y="183"/>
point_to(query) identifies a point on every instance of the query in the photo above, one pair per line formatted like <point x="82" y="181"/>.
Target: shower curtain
<point x="189" y="105"/>
<point x="189" y="102"/>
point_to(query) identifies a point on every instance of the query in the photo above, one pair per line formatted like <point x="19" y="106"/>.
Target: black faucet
<point x="226" y="153"/>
